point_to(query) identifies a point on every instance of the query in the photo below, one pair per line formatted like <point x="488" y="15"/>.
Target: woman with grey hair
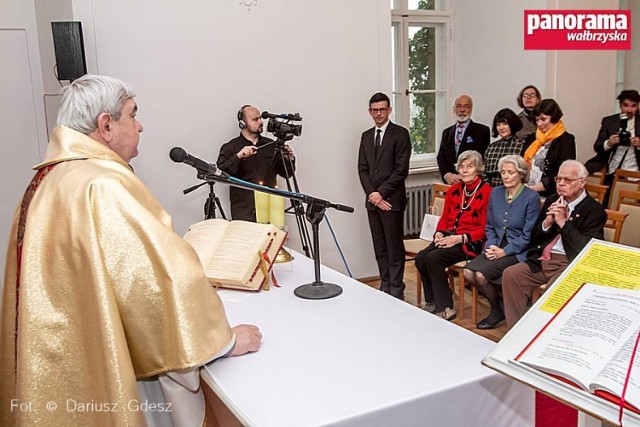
<point x="459" y="234"/>
<point x="512" y="213"/>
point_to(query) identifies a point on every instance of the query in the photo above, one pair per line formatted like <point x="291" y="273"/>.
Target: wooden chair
<point x="614" y="224"/>
<point x="623" y="180"/>
<point x="597" y="191"/>
<point x="629" y="202"/>
<point x="612" y="232"/>
<point x="596" y="178"/>
<point x="455" y="272"/>
<point x="413" y="246"/>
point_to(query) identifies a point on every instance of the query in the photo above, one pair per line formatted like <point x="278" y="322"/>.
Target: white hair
<point x="582" y="170"/>
<point x="519" y="163"/>
<point x="89" y="96"/>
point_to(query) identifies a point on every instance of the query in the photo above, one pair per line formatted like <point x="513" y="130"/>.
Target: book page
<point x="607" y="265"/>
<point x="237" y="255"/>
<point x="585" y="335"/>
<point x="614" y="373"/>
<point x="205" y="236"/>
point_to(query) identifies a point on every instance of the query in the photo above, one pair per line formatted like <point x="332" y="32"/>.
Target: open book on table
<point x="236" y="254"/>
<point x="589" y="343"/>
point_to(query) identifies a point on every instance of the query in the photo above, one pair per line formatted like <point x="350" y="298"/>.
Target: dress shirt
<point x="558" y="248"/>
<point x="630" y="163"/>
<point x="383" y="128"/>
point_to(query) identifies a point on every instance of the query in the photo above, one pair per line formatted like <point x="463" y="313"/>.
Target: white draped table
<point x="360" y="359"/>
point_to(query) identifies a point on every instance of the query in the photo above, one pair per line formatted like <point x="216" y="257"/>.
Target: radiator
<point x="418" y="200"/>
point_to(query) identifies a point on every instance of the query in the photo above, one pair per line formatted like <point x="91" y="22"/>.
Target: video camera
<point x="280" y="125"/>
<point x="623" y="133"/>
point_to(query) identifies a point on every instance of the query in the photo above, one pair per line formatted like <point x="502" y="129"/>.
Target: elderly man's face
<point x="463" y="108"/>
<point x="568" y="183"/>
<point x="126" y="132"/>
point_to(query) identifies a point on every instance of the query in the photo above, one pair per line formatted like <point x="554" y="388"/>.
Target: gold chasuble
<point x="108" y="294"/>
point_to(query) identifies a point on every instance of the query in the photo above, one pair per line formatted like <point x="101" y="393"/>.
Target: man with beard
<point x="245" y="158"/>
<point x="464" y="135"/>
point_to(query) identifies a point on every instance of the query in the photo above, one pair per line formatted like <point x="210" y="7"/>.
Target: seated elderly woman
<point x="512" y="213"/>
<point x="459" y="234"/>
<point x="548" y="147"/>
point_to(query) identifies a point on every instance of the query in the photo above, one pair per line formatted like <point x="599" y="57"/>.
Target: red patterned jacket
<point x="472" y="220"/>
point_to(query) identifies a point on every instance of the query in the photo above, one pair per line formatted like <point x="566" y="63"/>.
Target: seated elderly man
<point x="568" y="221"/>
<point x="104" y="306"/>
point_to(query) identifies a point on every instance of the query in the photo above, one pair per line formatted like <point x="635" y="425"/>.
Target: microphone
<point x="179" y="155"/>
<point x="289" y="116"/>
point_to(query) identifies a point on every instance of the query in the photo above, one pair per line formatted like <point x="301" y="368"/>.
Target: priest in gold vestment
<point x="101" y="298"/>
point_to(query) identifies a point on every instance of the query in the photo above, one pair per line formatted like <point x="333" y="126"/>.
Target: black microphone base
<point x="317" y="290"/>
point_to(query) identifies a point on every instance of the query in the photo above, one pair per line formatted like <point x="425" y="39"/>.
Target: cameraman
<point x="617" y="148"/>
<point x="243" y="158"/>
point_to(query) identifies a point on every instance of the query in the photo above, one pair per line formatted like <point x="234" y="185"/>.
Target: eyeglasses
<point x="560" y="179"/>
<point x="378" y="110"/>
<point x="529" y="95"/>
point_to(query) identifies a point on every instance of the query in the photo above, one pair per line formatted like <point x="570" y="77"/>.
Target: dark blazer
<point x="586" y="222"/>
<point x="610" y="126"/>
<point x="387" y="172"/>
<point x="562" y="148"/>
<point x="476" y="137"/>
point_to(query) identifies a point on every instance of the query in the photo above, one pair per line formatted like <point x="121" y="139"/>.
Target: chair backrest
<point x="438" y="193"/>
<point x="597" y="191"/>
<point x="623" y="180"/>
<point x="629" y="202"/>
<point x="596" y="178"/>
<point x="613" y="226"/>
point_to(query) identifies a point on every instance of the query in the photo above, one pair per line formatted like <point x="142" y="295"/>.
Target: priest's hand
<point x="248" y="339"/>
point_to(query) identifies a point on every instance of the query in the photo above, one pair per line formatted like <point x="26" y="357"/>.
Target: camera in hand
<point x="623" y="133"/>
<point x="281" y="125"/>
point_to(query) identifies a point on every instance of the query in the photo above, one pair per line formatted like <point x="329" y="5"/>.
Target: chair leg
<point x="418" y="289"/>
<point x="461" y="294"/>
<point x="474" y="305"/>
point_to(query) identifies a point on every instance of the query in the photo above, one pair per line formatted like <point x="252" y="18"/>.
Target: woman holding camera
<point x="548" y="147"/>
<point x="512" y="214"/>
<point x="459" y="234"/>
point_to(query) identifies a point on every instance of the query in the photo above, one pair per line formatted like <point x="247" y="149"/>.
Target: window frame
<point x="401" y="20"/>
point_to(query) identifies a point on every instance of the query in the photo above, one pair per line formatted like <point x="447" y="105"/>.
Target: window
<point x="419" y="36"/>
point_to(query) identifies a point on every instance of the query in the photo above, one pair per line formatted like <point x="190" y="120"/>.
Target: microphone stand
<point x="315" y="214"/>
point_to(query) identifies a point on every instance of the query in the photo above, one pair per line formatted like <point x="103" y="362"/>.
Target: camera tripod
<point x="213" y="201"/>
<point x="290" y="177"/>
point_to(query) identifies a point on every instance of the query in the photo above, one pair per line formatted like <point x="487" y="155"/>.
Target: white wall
<point x="192" y="71"/>
<point x="22" y="131"/>
<point x="489" y="61"/>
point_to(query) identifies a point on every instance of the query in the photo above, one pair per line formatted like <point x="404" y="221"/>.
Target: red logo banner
<point x="577" y="29"/>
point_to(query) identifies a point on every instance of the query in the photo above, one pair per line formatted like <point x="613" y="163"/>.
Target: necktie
<point x="458" y="138"/>
<point x="378" y="141"/>
<point x="546" y="252"/>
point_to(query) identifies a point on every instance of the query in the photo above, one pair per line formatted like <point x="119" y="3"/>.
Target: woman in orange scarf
<point x="548" y="147"/>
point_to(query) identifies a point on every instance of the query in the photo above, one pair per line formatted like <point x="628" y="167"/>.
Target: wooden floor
<point x="483" y="306"/>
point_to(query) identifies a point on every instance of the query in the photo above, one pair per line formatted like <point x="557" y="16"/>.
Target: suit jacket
<point x="585" y="222"/>
<point x="476" y="137"/>
<point x="610" y="126"/>
<point x="386" y="172"/>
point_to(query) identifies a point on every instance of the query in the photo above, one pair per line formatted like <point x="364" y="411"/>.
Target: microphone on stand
<point x="179" y="155"/>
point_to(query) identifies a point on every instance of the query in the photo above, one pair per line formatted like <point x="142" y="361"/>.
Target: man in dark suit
<point x="567" y="222"/>
<point x="464" y="135"/>
<point x="383" y="166"/>
<point x="616" y="149"/>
